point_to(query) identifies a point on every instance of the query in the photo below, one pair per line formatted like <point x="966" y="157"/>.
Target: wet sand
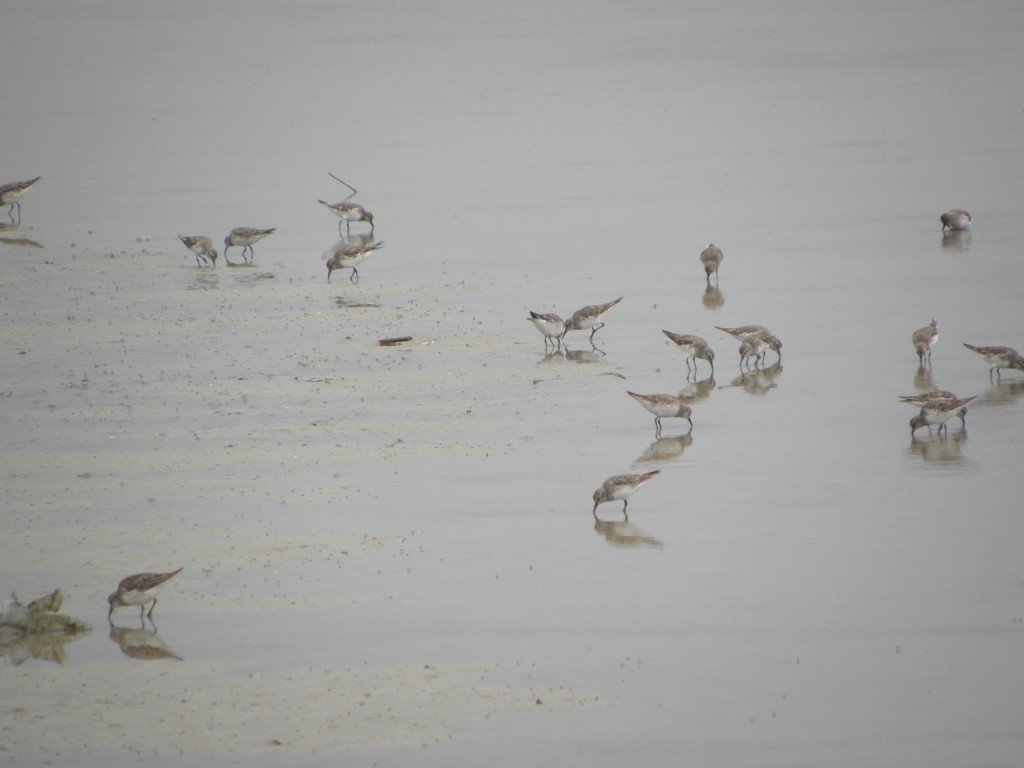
<point x="391" y="547"/>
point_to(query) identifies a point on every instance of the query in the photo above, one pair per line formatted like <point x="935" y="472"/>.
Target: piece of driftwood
<point x="394" y="341"/>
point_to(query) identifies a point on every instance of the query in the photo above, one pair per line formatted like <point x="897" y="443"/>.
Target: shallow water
<point x="392" y="548"/>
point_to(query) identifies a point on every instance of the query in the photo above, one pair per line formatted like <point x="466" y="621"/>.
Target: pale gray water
<point x="814" y="589"/>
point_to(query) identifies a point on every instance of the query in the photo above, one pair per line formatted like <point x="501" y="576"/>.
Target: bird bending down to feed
<point x="552" y="327"/>
<point x="589" y="317"/>
<point x="349" y="257"/>
<point x="202" y="247"/>
<point x="140" y="589"/>
<point x="348" y="212"/>
<point x="663" y="406"/>
<point x="694" y="347"/>
<point x="999" y="358"/>
<point x="955" y="219"/>
<point x="245" y="237"/>
<point x="620" y="488"/>
<point x="924" y="339"/>
<point x="10" y="192"/>
<point x="711" y="257"/>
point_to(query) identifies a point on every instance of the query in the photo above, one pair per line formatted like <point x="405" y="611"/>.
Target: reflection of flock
<point x="935" y="407"/>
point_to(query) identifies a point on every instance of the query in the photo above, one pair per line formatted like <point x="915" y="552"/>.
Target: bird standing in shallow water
<point x="955" y="219"/>
<point x="663" y="406"/>
<point x="245" y="237"/>
<point x="924" y="339"/>
<point x="348" y="212"/>
<point x="348" y="257"/>
<point x="999" y="358"/>
<point x="552" y="327"/>
<point x="588" y="317"/>
<point x="938" y="412"/>
<point x="202" y="247"/>
<point x="10" y="192"/>
<point x="140" y="589"/>
<point x="758" y="338"/>
<point x="929" y="399"/>
<point x="711" y="257"/>
<point x="620" y="488"/>
<point x="694" y="347"/>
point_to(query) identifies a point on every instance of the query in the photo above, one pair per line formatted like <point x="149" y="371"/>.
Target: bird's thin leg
<point x="150" y="614"/>
<point x="354" y="277"/>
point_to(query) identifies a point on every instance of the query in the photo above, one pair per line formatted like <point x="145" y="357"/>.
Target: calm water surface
<point x="803" y="584"/>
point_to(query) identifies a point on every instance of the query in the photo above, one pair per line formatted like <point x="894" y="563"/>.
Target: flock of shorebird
<point x="935" y="408"/>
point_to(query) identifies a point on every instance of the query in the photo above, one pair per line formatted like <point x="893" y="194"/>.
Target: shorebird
<point x="10" y="192"/>
<point x="955" y="219"/>
<point x="202" y="247"/>
<point x="620" y="488"/>
<point x="344" y="256"/>
<point x="998" y="358"/>
<point x="694" y="347"/>
<point x="588" y="317"/>
<point x="711" y="257"/>
<point x="924" y="339"/>
<point x="663" y="406"/>
<point x="245" y="237"/>
<point x="348" y="212"/>
<point x="938" y="412"/>
<point x="140" y="589"/>
<point x="552" y="327"/>
<point x="936" y="395"/>
<point x="758" y="336"/>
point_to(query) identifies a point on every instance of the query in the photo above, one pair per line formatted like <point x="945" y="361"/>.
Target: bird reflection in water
<point x="757" y="381"/>
<point x="957" y="239"/>
<point x="1002" y="392"/>
<point x="666" y="448"/>
<point x="938" y="449"/>
<point x="142" y="643"/>
<point x="713" y="297"/>
<point x="592" y="355"/>
<point x="697" y="391"/>
<point x="622" y="533"/>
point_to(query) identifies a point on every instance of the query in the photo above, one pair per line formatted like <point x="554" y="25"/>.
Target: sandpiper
<point x="9" y="194"/>
<point x="998" y="358"/>
<point x="924" y="339"/>
<point x="202" y="247"/>
<point x="938" y="412"/>
<point x="758" y="335"/>
<point x="927" y="399"/>
<point x="245" y="237"/>
<point x="140" y="589"/>
<point x="588" y="317"/>
<point x="620" y="488"/>
<point x="344" y="256"/>
<point x="694" y="347"/>
<point x="955" y="219"/>
<point x="663" y="406"/>
<point x="711" y="257"/>
<point x="552" y="327"/>
<point x="349" y="212"/>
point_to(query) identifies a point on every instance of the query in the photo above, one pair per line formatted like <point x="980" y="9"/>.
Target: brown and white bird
<point x="140" y="589"/>
<point x="694" y="347"/>
<point x="711" y="257"/>
<point x="551" y="327"/>
<point x="10" y="192"/>
<point x="755" y="340"/>
<point x="930" y="398"/>
<point x="620" y="488"/>
<point x="589" y="317"/>
<point x="955" y="219"/>
<point x="663" y="407"/>
<point x="999" y="358"/>
<point x="245" y="237"/>
<point x="924" y="339"/>
<point x="348" y="212"/>
<point x="938" y="412"/>
<point x="344" y="256"/>
<point x="202" y="247"/>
